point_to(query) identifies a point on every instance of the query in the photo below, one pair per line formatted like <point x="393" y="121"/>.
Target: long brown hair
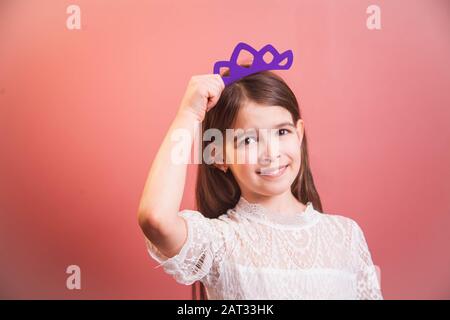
<point x="265" y="88"/>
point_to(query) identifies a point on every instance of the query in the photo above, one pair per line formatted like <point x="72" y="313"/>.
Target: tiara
<point x="237" y="72"/>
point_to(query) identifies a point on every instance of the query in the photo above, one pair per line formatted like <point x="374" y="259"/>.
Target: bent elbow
<point x="147" y="220"/>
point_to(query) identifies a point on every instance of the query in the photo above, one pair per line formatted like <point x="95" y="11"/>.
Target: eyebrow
<point x="280" y="125"/>
<point x="283" y="124"/>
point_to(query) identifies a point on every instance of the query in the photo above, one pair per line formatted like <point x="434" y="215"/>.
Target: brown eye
<point x="284" y="130"/>
<point x="248" y="140"/>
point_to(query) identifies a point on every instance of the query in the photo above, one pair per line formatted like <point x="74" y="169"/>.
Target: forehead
<point x="253" y="115"/>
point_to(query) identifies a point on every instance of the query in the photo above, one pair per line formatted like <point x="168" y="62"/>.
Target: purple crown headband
<point x="237" y="72"/>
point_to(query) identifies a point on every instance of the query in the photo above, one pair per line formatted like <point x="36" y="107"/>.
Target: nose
<point x="270" y="150"/>
<point x="268" y="160"/>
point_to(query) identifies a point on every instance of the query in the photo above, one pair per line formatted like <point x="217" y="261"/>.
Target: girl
<point x="258" y="231"/>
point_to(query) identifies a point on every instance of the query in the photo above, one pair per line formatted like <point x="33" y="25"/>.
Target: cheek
<point x="242" y="155"/>
<point x="242" y="169"/>
<point x="292" y="151"/>
<point x="244" y="173"/>
<point x="246" y="169"/>
<point x="292" y="148"/>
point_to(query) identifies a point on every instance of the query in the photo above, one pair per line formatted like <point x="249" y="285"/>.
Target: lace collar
<point x="259" y="213"/>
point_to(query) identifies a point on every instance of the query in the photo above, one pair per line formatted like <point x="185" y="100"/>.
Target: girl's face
<point x="264" y="162"/>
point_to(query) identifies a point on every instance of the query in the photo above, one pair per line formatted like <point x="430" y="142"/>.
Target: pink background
<point x="82" y="114"/>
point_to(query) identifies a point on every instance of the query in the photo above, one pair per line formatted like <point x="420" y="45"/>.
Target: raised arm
<point x="163" y="190"/>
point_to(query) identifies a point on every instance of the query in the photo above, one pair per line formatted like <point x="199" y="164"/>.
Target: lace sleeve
<point x="368" y="285"/>
<point x="207" y="244"/>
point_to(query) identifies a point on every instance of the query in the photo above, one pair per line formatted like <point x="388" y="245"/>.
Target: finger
<point x="218" y="79"/>
<point x="222" y="83"/>
<point x="214" y="98"/>
<point x="213" y="83"/>
<point x="214" y="89"/>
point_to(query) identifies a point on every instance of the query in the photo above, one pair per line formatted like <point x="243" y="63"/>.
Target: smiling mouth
<point x="271" y="171"/>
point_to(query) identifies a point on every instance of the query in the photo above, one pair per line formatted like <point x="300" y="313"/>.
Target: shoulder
<point x="221" y="226"/>
<point x="343" y="222"/>
<point x="337" y="218"/>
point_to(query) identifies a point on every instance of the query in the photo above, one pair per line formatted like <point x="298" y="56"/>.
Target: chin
<point x="273" y="188"/>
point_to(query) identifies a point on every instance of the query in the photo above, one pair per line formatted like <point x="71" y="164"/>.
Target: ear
<point x="300" y="129"/>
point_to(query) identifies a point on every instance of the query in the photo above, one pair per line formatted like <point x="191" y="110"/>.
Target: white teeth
<point x="270" y="172"/>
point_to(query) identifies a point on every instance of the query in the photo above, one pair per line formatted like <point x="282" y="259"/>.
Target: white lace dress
<point x="251" y="253"/>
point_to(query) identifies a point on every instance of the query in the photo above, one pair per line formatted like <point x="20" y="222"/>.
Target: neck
<point x="284" y="204"/>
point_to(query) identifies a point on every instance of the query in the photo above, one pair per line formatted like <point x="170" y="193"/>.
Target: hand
<point x="202" y="94"/>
